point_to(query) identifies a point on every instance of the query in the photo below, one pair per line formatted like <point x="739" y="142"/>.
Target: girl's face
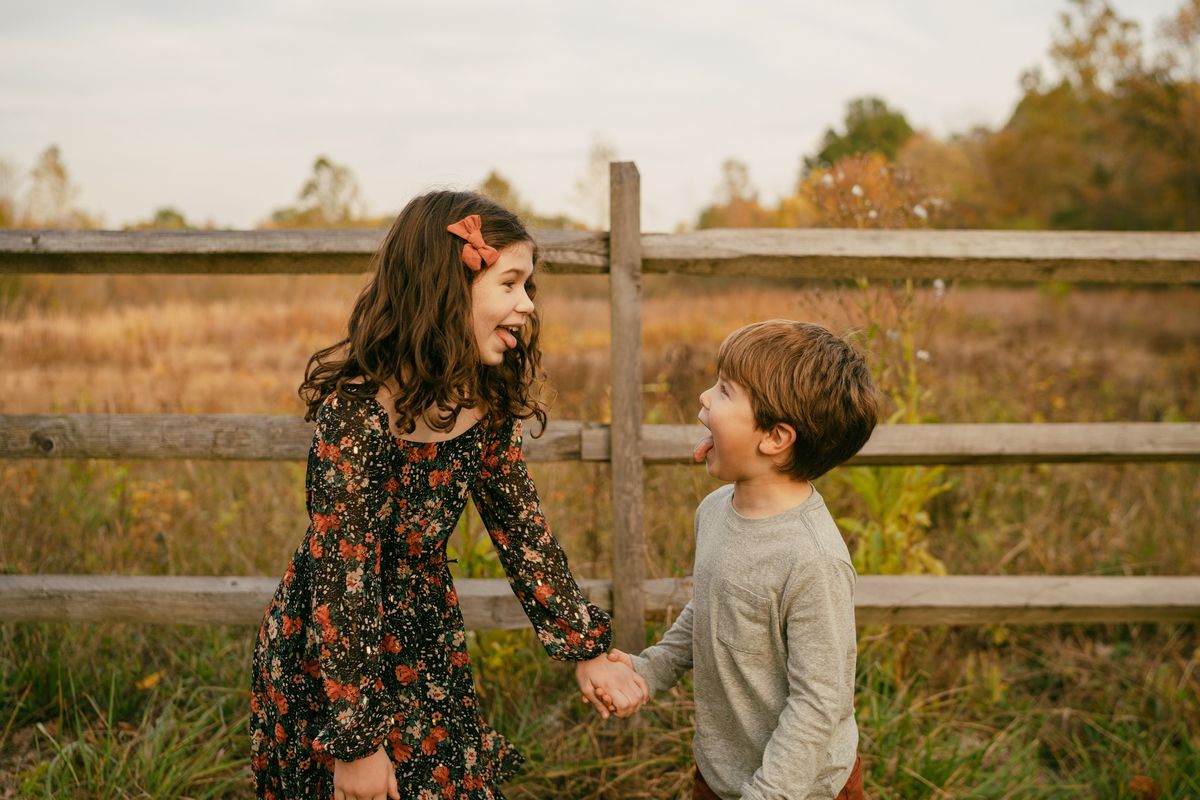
<point x="500" y="303"/>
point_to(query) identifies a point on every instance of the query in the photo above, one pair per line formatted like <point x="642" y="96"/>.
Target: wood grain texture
<point x="974" y="443"/>
<point x="205" y="436"/>
<point x="278" y="438"/>
<point x="625" y="280"/>
<point x="1099" y="256"/>
<point x="486" y="604"/>
<point x="246" y="252"/>
<point x="977" y="255"/>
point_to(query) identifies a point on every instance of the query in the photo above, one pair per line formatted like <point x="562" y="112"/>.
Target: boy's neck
<point x="768" y="495"/>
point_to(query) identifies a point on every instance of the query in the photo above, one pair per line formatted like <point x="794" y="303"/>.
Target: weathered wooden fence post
<point x="625" y="278"/>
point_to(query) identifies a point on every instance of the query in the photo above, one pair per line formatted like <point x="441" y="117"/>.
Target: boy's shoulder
<point x="823" y="539"/>
<point x="807" y="532"/>
<point x="715" y="499"/>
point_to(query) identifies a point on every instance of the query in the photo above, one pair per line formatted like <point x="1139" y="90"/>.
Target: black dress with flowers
<point x="363" y="644"/>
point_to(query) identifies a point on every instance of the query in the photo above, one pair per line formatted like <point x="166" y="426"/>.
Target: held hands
<point x="611" y="685"/>
<point x="370" y="778"/>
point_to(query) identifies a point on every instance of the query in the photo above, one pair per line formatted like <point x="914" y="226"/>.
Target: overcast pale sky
<point x="219" y="108"/>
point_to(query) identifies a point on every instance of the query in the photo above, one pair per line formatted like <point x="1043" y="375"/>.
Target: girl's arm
<point x="347" y="504"/>
<point x="569" y="627"/>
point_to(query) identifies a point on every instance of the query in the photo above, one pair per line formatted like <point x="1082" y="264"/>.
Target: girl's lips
<point x="702" y="447"/>
<point x="507" y="337"/>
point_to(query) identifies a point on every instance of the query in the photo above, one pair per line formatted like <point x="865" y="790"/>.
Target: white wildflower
<point x="920" y="212"/>
<point x="827" y="179"/>
<point x="872" y="214"/>
<point x="922" y="355"/>
<point x="856" y="190"/>
<point x="939" y="288"/>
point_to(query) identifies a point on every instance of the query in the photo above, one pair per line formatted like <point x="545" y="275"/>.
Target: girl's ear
<point x="779" y="439"/>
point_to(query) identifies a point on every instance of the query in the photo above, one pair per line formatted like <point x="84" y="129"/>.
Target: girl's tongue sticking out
<point x="506" y="335"/>
<point x="702" y="448"/>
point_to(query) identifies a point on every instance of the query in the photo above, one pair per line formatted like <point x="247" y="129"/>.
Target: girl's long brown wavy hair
<point x="412" y="325"/>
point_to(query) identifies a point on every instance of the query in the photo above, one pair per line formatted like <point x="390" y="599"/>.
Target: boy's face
<point x="730" y="452"/>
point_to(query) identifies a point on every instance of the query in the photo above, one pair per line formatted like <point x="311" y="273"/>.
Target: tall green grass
<point x="1005" y="712"/>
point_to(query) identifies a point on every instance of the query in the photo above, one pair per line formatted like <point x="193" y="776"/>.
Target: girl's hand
<point x="611" y="686"/>
<point x="370" y="778"/>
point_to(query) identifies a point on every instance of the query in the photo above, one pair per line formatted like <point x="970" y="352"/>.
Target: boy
<point x="770" y="627"/>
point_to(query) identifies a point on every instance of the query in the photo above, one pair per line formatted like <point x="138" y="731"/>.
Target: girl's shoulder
<point x="351" y="416"/>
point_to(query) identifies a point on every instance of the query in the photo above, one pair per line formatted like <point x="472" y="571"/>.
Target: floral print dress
<point x="363" y="644"/>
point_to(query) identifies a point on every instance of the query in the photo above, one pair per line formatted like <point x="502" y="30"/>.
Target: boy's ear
<point x="779" y="439"/>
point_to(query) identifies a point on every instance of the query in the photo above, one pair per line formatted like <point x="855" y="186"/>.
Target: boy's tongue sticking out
<point x="702" y="448"/>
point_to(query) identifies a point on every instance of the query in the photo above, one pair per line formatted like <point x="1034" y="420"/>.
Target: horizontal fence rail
<point x="977" y="255"/>
<point x="245" y="252"/>
<point x="280" y="438"/>
<point x="879" y="600"/>
<point x="1007" y="256"/>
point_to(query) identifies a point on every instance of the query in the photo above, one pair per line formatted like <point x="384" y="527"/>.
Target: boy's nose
<point x="704" y="397"/>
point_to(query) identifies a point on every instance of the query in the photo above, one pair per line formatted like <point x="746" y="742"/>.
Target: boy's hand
<point x="619" y="657"/>
<point x="611" y="686"/>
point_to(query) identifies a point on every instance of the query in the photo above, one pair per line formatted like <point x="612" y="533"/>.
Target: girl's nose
<point x="704" y="397"/>
<point x="525" y="305"/>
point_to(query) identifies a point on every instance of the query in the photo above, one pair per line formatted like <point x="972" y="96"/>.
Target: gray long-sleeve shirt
<point x="770" y="634"/>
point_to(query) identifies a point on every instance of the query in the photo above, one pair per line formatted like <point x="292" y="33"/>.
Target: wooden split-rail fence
<point x="625" y="253"/>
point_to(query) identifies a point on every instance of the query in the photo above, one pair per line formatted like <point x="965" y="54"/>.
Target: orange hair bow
<point x="475" y="252"/>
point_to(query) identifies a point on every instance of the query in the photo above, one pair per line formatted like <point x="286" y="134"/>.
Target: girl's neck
<point x="386" y="396"/>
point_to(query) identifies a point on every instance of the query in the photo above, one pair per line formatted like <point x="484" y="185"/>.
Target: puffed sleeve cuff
<point x="564" y="642"/>
<point x="354" y="738"/>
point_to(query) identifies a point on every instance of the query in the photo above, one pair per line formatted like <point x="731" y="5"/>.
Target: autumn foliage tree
<point x="868" y="191"/>
<point x="736" y="203"/>
<point x="330" y="198"/>
<point x="50" y="198"/>
<point x="1113" y="143"/>
<point x="871" y="126"/>
<point x="498" y="188"/>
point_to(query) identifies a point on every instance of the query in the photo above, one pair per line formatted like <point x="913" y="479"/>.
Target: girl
<point x="362" y="685"/>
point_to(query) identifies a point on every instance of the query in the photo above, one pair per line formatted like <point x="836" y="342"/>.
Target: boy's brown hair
<point x="804" y="376"/>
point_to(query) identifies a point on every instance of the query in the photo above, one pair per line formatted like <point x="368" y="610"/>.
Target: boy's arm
<point x="821" y="641"/>
<point x="663" y="664"/>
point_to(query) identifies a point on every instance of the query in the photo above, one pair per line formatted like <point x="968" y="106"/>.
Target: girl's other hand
<point x="370" y="778"/>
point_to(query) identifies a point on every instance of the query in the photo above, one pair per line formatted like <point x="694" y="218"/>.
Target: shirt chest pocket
<point x="743" y="618"/>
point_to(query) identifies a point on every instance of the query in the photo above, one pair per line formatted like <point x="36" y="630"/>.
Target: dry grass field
<point x="997" y="712"/>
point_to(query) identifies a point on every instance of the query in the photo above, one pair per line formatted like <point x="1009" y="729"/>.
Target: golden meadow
<point x="1048" y="711"/>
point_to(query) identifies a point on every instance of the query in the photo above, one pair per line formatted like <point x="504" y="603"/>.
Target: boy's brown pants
<point x="853" y="790"/>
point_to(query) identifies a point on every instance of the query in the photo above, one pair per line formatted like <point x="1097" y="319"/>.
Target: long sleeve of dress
<point x="569" y="627"/>
<point x="347" y="506"/>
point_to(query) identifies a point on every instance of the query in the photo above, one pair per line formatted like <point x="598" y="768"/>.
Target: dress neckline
<point x="400" y="440"/>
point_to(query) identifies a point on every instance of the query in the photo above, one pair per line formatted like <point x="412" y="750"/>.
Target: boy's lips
<point x="700" y="452"/>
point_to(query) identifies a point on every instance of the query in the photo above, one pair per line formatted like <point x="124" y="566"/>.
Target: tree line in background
<point x="1113" y="143"/>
